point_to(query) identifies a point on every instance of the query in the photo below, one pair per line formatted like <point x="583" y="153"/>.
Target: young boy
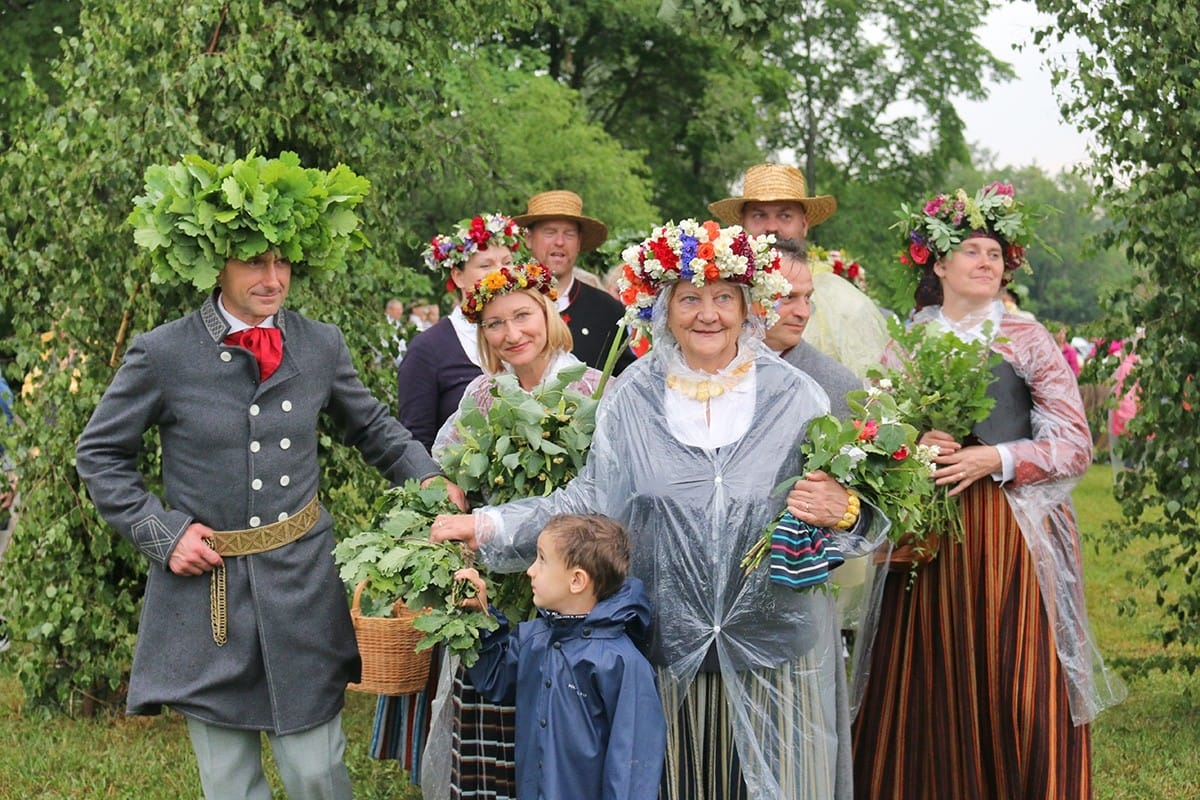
<point x="589" y="720"/>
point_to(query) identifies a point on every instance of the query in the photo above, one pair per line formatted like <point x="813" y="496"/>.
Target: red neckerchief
<point x="265" y="343"/>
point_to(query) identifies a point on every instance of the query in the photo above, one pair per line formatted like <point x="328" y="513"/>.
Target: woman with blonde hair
<point x="519" y="333"/>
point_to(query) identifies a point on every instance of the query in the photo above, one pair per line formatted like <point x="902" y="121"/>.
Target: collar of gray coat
<point x="218" y="327"/>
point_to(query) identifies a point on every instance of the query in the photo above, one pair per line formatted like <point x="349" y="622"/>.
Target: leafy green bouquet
<point x="940" y="383"/>
<point x="525" y="445"/>
<point x="398" y="560"/>
<point x="872" y="452"/>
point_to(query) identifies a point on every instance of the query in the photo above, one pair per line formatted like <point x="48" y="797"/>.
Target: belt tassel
<point x="216" y="606"/>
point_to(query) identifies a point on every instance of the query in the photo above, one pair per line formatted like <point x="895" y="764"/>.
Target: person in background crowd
<point x="786" y="336"/>
<point x="245" y="627"/>
<point x="557" y="232"/>
<point x="394" y="311"/>
<point x="442" y="360"/>
<point x="845" y="324"/>
<point x="1068" y="350"/>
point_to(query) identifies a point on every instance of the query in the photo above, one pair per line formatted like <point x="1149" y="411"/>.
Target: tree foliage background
<point x="1136" y="87"/>
<point x="650" y="108"/>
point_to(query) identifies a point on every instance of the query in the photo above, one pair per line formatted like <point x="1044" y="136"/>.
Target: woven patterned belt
<point x="247" y="542"/>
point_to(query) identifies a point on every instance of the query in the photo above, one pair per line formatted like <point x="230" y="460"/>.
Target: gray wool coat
<point x="238" y="454"/>
<point x="834" y="378"/>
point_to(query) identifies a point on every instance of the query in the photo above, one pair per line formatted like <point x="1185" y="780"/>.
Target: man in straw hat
<point x="557" y="233"/>
<point x="845" y="324"/>
<point x="245" y="627"/>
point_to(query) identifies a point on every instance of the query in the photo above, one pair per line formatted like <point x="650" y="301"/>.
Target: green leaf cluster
<point x="876" y="453"/>
<point x="397" y="560"/>
<point x="939" y="382"/>
<point x="527" y="444"/>
<point x="195" y="215"/>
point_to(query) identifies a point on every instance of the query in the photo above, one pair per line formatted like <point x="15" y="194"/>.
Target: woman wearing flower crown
<point x="690" y="443"/>
<point x="520" y="333"/>
<point x="471" y="742"/>
<point x="984" y="676"/>
<point x="437" y="366"/>
<point x="442" y="360"/>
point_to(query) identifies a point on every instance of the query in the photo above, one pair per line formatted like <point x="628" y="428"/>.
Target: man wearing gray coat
<point x="784" y="337"/>
<point x="245" y="626"/>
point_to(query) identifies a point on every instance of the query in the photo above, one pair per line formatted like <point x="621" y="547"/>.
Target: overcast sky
<point x="1020" y="121"/>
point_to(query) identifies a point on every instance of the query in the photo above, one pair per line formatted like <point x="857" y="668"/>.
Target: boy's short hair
<point x="596" y="544"/>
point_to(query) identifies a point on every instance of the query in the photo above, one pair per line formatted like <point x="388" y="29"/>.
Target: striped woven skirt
<point x="483" y="762"/>
<point x="796" y="731"/>
<point x="482" y="757"/>
<point x="966" y="697"/>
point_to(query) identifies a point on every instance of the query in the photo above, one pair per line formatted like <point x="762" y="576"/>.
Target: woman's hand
<point x="454" y="528"/>
<point x="958" y="466"/>
<point x="818" y="500"/>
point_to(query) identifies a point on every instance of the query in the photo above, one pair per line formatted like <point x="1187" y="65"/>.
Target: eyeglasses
<point x="495" y="324"/>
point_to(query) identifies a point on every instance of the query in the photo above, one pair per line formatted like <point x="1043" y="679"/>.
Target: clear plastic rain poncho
<point x="693" y="512"/>
<point x="1046" y="470"/>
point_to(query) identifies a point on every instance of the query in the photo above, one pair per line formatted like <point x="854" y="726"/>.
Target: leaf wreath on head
<point x="196" y="215"/>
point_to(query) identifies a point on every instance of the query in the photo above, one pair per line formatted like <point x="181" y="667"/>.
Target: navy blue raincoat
<point x="589" y="719"/>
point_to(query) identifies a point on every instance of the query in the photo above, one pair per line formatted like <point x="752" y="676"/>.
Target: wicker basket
<point x="390" y="663"/>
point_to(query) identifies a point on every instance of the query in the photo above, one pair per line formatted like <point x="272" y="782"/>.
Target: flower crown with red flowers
<point x="469" y="237"/>
<point x="505" y="281"/>
<point x="700" y="253"/>
<point x="946" y="220"/>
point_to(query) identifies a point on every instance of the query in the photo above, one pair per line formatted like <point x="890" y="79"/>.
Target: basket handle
<point x="358" y="590"/>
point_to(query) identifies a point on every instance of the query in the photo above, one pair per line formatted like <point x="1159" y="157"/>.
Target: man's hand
<point x="192" y="555"/>
<point x="453" y="491"/>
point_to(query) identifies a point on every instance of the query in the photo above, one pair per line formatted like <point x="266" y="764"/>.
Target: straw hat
<point x="774" y="183"/>
<point x="561" y="204"/>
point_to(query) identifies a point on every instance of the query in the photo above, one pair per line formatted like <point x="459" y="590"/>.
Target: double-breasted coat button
<point x="283" y="515"/>
<point x="255" y="522"/>
<point x="285" y="443"/>
<point x="284" y="480"/>
<point x="286" y="405"/>
<point x="255" y="447"/>
<point x="226" y="356"/>
<point x="254" y="410"/>
<point x="256" y="484"/>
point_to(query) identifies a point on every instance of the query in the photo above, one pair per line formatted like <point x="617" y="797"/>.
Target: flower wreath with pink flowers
<point x="469" y="237"/>
<point x="947" y="219"/>
<point x="700" y="253"/>
<point x="507" y="280"/>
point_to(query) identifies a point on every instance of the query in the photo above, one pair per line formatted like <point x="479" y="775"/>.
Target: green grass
<point x="1143" y="748"/>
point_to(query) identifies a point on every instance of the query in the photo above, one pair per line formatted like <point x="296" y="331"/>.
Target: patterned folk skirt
<point x="966" y="697"/>
<point x="799" y="730"/>
<point x="482" y="757"/>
